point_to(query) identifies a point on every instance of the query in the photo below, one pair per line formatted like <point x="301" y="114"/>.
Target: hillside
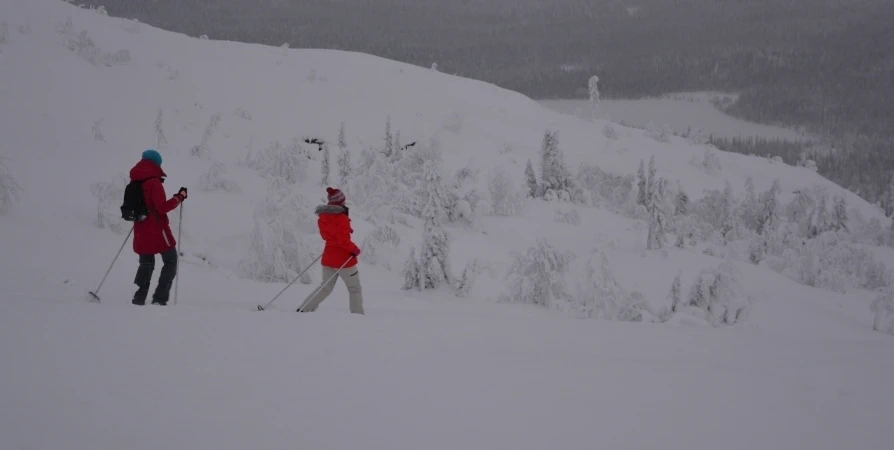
<point x="783" y="350"/>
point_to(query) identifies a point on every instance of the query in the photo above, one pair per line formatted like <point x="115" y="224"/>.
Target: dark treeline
<point x="826" y="66"/>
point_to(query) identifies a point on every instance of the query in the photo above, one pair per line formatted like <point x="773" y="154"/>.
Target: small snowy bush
<point x="379" y="238"/>
<point x="212" y="180"/>
<point x="570" y="217"/>
<point x="278" y="247"/>
<point x="109" y="195"/>
<point x="883" y="310"/>
<point x="202" y="149"/>
<point x="599" y="295"/>
<point x="242" y="113"/>
<point x="719" y="295"/>
<point x="506" y="198"/>
<point x="613" y="191"/>
<point x="84" y="47"/>
<point x="709" y="162"/>
<point x="162" y="141"/>
<point x="277" y="161"/>
<point x="609" y="132"/>
<point x="537" y="277"/>
<point x="9" y="188"/>
<point x="97" y="133"/>
<point x="466" y="281"/>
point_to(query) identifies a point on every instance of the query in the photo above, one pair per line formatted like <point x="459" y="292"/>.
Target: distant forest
<point x="825" y="66"/>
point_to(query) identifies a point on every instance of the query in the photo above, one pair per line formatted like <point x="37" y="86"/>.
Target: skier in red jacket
<point x="335" y="229"/>
<point x="153" y="235"/>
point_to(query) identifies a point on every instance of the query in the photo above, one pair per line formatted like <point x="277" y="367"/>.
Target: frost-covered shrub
<point x="609" y="132"/>
<point x="466" y="281"/>
<point x="506" y="198"/>
<point x="109" y="195"/>
<point x="202" y="149"/>
<point x="883" y="310"/>
<point x="570" y="217"/>
<point x="278" y="245"/>
<point x="831" y="262"/>
<point x="613" y="191"/>
<point x="84" y="47"/>
<point x="697" y="136"/>
<point x="379" y="238"/>
<point x="537" y="276"/>
<point x="709" y="162"/>
<point x="9" y="188"/>
<point x="718" y="294"/>
<point x="242" y="113"/>
<point x="599" y="295"/>
<point x="213" y="181"/>
<point x="287" y="163"/>
<point x="659" y="134"/>
<point x="162" y="141"/>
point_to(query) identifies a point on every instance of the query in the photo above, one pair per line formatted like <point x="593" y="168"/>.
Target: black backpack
<point x="134" y="207"/>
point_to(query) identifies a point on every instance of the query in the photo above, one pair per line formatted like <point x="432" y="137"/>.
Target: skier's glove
<point x="182" y="194"/>
<point x="355" y="253"/>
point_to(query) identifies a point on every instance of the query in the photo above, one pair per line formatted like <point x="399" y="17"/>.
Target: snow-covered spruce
<point x="717" y="296"/>
<point x="506" y="198"/>
<point x="202" y="149"/>
<point x="376" y="241"/>
<point x="467" y="280"/>
<point x="599" y="295"/>
<point x="883" y="312"/>
<point x="433" y="267"/>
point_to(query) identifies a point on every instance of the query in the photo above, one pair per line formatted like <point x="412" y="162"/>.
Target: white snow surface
<point x="420" y="369"/>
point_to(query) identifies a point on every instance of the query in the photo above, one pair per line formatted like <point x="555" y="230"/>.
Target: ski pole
<point x="95" y="294"/>
<point x="261" y="308"/>
<point x="314" y="292"/>
<point x="179" y="253"/>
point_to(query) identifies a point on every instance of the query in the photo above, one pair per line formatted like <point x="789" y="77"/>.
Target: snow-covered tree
<point x="659" y="219"/>
<point x="506" y="198"/>
<point x="718" y="293"/>
<point x="10" y="189"/>
<point x="162" y="141"/>
<point x="570" y="217"/>
<point x="109" y="195"/>
<point x="839" y="215"/>
<point x="413" y="272"/>
<point x="278" y="247"/>
<point x="888" y="198"/>
<point x="729" y="226"/>
<point x="344" y="158"/>
<point x="97" y="131"/>
<point x="202" y="149"/>
<point x="380" y="238"/>
<point x="681" y="203"/>
<point x="599" y="295"/>
<point x="466" y="281"/>
<point x="641" y="192"/>
<point x="593" y="87"/>
<point x="676" y="292"/>
<point x="288" y="163"/>
<point x="883" y="311"/>
<point x="434" y="257"/>
<point x="651" y="180"/>
<point x="531" y="180"/>
<point x="537" y="276"/>
<point x="555" y="176"/>
<point x="389" y="139"/>
<point x="768" y="202"/>
<point x="213" y="181"/>
<point x="325" y="165"/>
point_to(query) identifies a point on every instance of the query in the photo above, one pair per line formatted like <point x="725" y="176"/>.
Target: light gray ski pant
<point x="351" y="277"/>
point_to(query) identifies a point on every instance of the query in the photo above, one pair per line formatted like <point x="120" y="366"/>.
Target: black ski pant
<point x="165" y="279"/>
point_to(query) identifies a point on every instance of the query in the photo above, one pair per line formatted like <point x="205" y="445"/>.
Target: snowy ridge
<point x="461" y="366"/>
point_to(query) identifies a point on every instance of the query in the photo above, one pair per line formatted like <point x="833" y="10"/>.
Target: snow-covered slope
<point x="421" y="369"/>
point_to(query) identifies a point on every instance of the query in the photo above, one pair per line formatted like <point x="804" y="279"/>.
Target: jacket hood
<point x="144" y="170"/>
<point x="330" y="209"/>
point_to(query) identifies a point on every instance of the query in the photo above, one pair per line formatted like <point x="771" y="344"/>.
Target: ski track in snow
<point x="420" y="370"/>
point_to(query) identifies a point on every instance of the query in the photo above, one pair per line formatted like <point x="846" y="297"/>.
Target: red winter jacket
<point x="153" y="235"/>
<point x="335" y="229"/>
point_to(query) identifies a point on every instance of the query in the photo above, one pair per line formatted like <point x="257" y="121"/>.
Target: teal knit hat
<point x="153" y="156"/>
